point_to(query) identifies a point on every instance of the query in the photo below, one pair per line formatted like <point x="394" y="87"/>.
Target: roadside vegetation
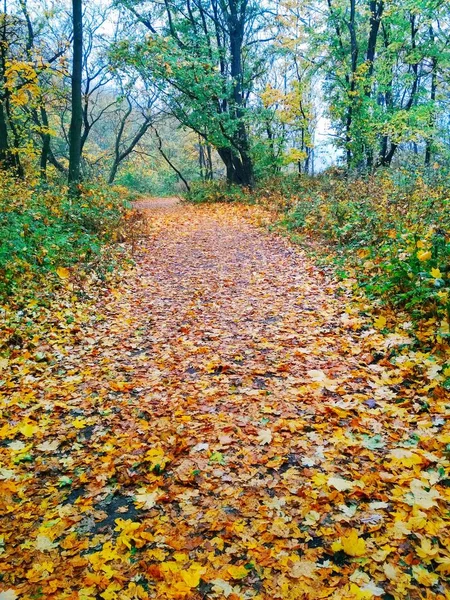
<point x="386" y="236"/>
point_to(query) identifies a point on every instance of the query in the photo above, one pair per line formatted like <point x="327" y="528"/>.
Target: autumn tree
<point x="205" y="57"/>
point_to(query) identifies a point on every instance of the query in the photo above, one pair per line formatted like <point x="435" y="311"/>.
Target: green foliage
<point x="41" y="230"/>
<point x="391" y="232"/>
<point x="216" y="191"/>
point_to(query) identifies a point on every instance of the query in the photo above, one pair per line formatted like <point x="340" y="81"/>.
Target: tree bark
<point x="77" y="109"/>
<point x="433" y="89"/>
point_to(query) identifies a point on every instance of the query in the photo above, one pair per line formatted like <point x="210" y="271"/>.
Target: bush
<point x="216" y="191"/>
<point x="390" y="231"/>
<point x="42" y="231"/>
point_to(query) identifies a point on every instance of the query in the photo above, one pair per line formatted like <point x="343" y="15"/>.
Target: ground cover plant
<point x="44" y="233"/>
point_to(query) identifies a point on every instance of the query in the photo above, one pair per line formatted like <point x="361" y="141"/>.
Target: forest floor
<point x="227" y="428"/>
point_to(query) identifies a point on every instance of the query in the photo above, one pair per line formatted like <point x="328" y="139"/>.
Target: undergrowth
<point x="55" y="253"/>
<point x="389" y="233"/>
<point x="44" y="236"/>
<point x="206" y="192"/>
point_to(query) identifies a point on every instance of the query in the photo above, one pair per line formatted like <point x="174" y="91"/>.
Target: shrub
<point x="216" y="191"/>
<point x="391" y="231"/>
<point x="42" y="231"/>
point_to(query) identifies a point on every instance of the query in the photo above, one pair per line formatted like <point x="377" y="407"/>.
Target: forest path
<point x="216" y="434"/>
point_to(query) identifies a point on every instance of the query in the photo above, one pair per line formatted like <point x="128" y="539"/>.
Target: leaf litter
<point x="224" y="423"/>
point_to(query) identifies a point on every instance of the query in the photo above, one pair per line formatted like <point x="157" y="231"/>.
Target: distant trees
<point x="206" y="56"/>
<point x="386" y="72"/>
<point x="83" y="85"/>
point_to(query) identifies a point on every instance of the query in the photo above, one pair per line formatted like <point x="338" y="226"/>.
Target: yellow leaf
<point x="360" y="594"/>
<point x="191" y="576"/>
<point x="380" y="322"/>
<point x="420" y="497"/>
<point x="423" y="576"/>
<point x="424" y="255"/>
<point x="79" y="423"/>
<point x="353" y="545"/>
<point x="237" y="572"/>
<point x="427" y="550"/>
<point x="444" y="565"/>
<point x="340" y="484"/>
<point x="28" y="430"/>
<point x="405" y="457"/>
<point x="436" y="273"/>
<point x="421" y="244"/>
<point x="336" y="546"/>
<point x="63" y="273"/>
<point x="3" y="363"/>
<point x="363" y="252"/>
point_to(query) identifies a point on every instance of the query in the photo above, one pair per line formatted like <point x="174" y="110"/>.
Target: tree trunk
<point x="5" y="156"/>
<point x="209" y="165"/>
<point x="45" y="150"/>
<point x="243" y="166"/>
<point x="113" y="172"/>
<point x="77" y="109"/>
<point x="429" y="141"/>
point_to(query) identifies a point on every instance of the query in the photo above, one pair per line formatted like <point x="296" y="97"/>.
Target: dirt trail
<point x="221" y="431"/>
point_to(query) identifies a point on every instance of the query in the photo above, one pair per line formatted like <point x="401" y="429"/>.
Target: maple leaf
<point x="17" y="445"/>
<point x="380" y="322"/>
<point x="423" y="576"/>
<point x="444" y="565"/>
<point x="217" y="457"/>
<point x="357" y="593"/>
<point x="424" y="255"/>
<point x="340" y="484"/>
<point x="44" y="543"/>
<point x="426" y="550"/>
<point x="391" y="571"/>
<point x="421" y="497"/>
<point x="6" y="474"/>
<point x="28" y="430"/>
<point x="48" y="446"/>
<point x="63" y="273"/>
<point x="222" y="587"/>
<point x="146" y="499"/>
<point x="264" y="436"/>
<point x="238" y="572"/>
<point x="352" y="544"/>
<point x="318" y="376"/>
<point x="192" y="575"/>
<point x="303" y="568"/>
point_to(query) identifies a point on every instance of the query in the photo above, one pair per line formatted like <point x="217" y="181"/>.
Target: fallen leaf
<point x="264" y="436"/>
<point x="63" y="273"/>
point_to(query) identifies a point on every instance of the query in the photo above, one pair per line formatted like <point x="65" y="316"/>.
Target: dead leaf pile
<point x="223" y="426"/>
